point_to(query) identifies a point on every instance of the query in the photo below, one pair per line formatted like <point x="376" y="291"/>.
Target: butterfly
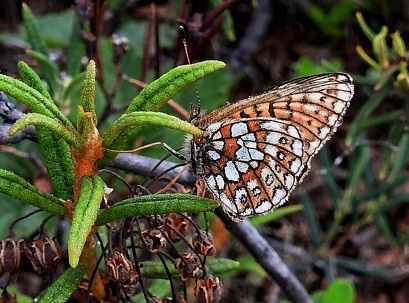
<point x="253" y="152"/>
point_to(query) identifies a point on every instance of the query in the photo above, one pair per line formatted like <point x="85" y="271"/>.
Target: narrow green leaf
<point x="66" y="284"/>
<point x="362" y="268"/>
<point x="29" y="77"/>
<point x="364" y="26"/>
<point x="55" y="151"/>
<point x="155" y="205"/>
<point x="156" y="94"/>
<point x="140" y="119"/>
<point x="384" y="188"/>
<point x="49" y="70"/>
<point x="31" y="30"/>
<point x="328" y="176"/>
<point x="276" y="214"/>
<point x="88" y="90"/>
<point x="76" y="50"/>
<point x="216" y="266"/>
<point x="55" y="126"/>
<point x="18" y="188"/>
<point x="312" y="220"/>
<point x="159" y="288"/>
<point x="86" y="211"/>
<point x="160" y="91"/>
<point x="56" y="154"/>
<point x="401" y="157"/>
<point x="383" y="223"/>
<point x="365" y="111"/>
<point x="340" y="291"/>
<point x="31" y="97"/>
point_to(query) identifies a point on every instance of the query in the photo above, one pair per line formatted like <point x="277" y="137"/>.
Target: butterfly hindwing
<point x="270" y="136"/>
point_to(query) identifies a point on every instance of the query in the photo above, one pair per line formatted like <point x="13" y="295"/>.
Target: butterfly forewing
<point x="256" y="150"/>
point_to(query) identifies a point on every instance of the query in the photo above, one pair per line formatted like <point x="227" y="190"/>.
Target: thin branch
<point x="267" y="257"/>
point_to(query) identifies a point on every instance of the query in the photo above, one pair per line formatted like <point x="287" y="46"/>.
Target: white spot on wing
<point x="239" y="129"/>
<point x="249" y="137"/>
<point x="242" y="154"/>
<point x="211" y="182"/>
<point x="217" y="135"/>
<point x="273" y="137"/>
<point x="242" y="166"/>
<point x="263" y="207"/>
<point x="278" y="195"/>
<point x="218" y="145"/>
<point x="271" y="150"/>
<point x="297" y="147"/>
<point x="293" y="132"/>
<point x="231" y="172"/>
<point x="289" y="181"/>
<point x="220" y="182"/>
<point x="295" y="165"/>
<point x="213" y="155"/>
<point x="256" y="154"/>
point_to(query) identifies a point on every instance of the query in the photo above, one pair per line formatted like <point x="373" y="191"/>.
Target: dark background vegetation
<point x="355" y="218"/>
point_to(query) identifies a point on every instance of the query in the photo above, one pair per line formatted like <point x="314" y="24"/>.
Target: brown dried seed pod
<point x="203" y="243"/>
<point x="188" y="266"/>
<point x="208" y="290"/>
<point x="44" y="253"/>
<point x="10" y="254"/>
<point x="156" y="221"/>
<point x="121" y="269"/>
<point x="178" y="222"/>
<point x="152" y="240"/>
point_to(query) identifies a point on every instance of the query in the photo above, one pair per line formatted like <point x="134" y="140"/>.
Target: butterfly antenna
<point x="195" y="113"/>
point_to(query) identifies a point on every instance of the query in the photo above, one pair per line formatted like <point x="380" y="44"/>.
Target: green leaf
<point x="56" y="154"/>
<point x="217" y="266"/>
<point x="66" y="284"/>
<point x="160" y="91"/>
<point x="86" y="211"/>
<point x="55" y="126"/>
<point x="249" y="264"/>
<point x="30" y="78"/>
<point x="364" y="26"/>
<point x="140" y="119"/>
<point x="159" y="288"/>
<point x="55" y="151"/>
<point x="340" y="291"/>
<point x="155" y="205"/>
<point x="31" y="97"/>
<point x="365" y="111"/>
<point x="276" y="214"/>
<point x="88" y="90"/>
<point x="311" y="219"/>
<point x="18" y="188"/>
<point x="31" y="30"/>
<point x="48" y="69"/>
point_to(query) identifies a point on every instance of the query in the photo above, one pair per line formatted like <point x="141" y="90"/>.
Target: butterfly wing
<point x="256" y="150"/>
<point x="315" y="105"/>
<point x="251" y="165"/>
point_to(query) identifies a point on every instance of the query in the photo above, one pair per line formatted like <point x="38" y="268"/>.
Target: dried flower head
<point x="121" y="269"/>
<point x="152" y="240"/>
<point x="203" y="243"/>
<point x="44" y="254"/>
<point x="179" y="223"/>
<point x="188" y="266"/>
<point x="208" y="290"/>
<point x="10" y="254"/>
